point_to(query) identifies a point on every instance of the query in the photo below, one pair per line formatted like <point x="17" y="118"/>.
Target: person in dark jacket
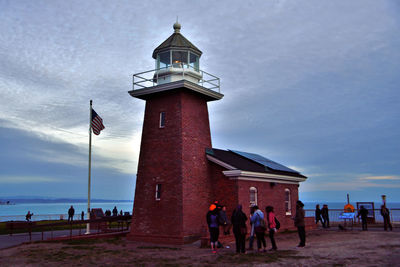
<point x="318" y="216"/>
<point x="386" y="218"/>
<point x="71" y="213"/>
<point x="363" y="212"/>
<point x="238" y="220"/>
<point x="300" y="223"/>
<point x="325" y="215"/>
<point x="213" y="226"/>
<point x="115" y="211"/>
<point x="226" y="224"/>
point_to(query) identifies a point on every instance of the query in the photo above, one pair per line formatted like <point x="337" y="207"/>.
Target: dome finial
<point x="177" y="26"/>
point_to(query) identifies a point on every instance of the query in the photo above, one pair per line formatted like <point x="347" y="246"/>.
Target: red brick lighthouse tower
<point x="173" y="187"/>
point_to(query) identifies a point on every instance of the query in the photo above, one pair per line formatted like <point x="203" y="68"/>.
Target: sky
<point x="313" y="85"/>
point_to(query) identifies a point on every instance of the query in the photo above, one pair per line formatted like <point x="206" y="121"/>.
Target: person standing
<point x="271" y="225"/>
<point x="251" y="238"/>
<point x="363" y="212"/>
<point x="115" y="211"/>
<point x="386" y="217"/>
<point x="300" y="224"/>
<point x="238" y="220"/>
<point x="213" y="226"/>
<point x="318" y="216"/>
<point x="259" y="227"/>
<point x="82" y="216"/>
<point x="28" y="216"/>
<point x="71" y="213"/>
<point x="325" y="216"/>
<point x="226" y="225"/>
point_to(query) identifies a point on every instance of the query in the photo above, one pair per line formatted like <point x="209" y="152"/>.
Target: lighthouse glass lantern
<point x="177" y="59"/>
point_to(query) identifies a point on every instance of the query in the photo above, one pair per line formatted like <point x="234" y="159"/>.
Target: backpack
<point x="278" y="224"/>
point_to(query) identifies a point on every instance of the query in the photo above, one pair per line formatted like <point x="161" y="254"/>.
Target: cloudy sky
<point x="312" y="84"/>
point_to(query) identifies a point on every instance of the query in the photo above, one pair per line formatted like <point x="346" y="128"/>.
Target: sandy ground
<point x="324" y="248"/>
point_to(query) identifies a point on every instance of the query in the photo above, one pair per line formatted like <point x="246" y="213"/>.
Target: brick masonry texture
<point x="174" y="156"/>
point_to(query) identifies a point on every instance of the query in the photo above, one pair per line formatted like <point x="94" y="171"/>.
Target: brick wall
<point x="173" y="156"/>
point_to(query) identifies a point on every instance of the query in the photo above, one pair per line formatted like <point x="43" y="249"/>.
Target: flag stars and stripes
<point x="97" y="123"/>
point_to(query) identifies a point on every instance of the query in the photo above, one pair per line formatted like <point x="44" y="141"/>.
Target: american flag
<point x="97" y="123"/>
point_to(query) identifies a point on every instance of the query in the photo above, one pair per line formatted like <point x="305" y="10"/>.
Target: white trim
<point x="220" y="163"/>
<point x="254" y="189"/>
<point x="262" y="177"/>
<point x="143" y="93"/>
<point x="262" y="180"/>
<point x="289" y="201"/>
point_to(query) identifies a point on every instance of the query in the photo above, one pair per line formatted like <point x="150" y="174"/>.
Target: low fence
<point x="107" y="224"/>
<point x="39" y="217"/>
<point x="334" y="215"/>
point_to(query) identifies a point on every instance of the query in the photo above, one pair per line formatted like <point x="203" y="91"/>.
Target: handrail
<point x="146" y="79"/>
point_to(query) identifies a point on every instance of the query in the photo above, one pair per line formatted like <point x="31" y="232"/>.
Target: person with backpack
<point x="213" y="226"/>
<point x="273" y="225"/>
<point x="259" y="227"/>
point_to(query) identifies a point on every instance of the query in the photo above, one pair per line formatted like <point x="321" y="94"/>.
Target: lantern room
<point x="177" y="59"/>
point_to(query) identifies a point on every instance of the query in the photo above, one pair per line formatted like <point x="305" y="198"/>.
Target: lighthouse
<point x="173" y="186"/>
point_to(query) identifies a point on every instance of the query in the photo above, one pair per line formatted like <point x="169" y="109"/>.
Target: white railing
<point x="150" y="78"/>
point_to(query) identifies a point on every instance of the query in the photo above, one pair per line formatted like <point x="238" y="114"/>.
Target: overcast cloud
<point x="313" y="85"/>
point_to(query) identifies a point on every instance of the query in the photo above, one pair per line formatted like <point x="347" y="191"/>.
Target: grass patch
<point x="83" y="241"/>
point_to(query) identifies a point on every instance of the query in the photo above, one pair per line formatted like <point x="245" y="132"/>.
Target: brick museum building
<point x="179" y="172"/>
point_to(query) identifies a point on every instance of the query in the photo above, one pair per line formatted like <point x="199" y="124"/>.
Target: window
<point x="158" y="191"/>
<point x="253" y="196"/>
<point x="179" y="58"/>
<point x="162" y="119"/>
<point x="194" y="61"/>
<point x="163" y="60"/>
<point x="288" y="207"/>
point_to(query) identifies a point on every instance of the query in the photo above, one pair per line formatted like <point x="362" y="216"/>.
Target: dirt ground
<point x="324" y="248"/>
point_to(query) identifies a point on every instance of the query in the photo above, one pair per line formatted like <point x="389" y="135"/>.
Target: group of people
<point x="322" y="215"/>
<point x="114" y="212"/>
<point x="260" y="224"/>
<point x="385" y="213"/>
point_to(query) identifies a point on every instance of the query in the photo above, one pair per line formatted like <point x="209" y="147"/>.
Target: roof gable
<point x="242" y="161"/>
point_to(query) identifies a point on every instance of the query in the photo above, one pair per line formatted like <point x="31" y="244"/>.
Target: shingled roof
<point x="176" y="41"/>
<point x="237" y="160"/>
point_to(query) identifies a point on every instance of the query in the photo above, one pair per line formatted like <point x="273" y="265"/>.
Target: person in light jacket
<point x="260" y="232"/>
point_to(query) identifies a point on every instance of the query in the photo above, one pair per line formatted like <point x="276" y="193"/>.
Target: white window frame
<point x="288" y="211"/>
<point x="162" y="120"/>
<point x="253" y="190"/>
<point x="158" y="192"/>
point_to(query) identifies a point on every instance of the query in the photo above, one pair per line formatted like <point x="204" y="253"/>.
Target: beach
<point x="324" y="248"/>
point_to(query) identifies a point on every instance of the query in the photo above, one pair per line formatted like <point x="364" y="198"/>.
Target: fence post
<point x="30" y="232"/>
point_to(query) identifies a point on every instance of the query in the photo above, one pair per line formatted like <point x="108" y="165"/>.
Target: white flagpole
<point x="90" y="163"/>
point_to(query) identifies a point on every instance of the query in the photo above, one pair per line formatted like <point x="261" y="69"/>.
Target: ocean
<point x="51" y="210"/>
<point x="54" y="210"/>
